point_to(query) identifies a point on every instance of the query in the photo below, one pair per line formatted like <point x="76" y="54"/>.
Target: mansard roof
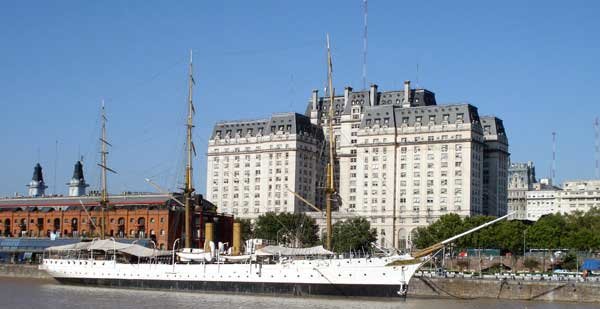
<point x="422" y="115"/>
<point x="292" y="123"/>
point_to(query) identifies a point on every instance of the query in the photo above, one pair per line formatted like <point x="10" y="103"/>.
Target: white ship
<point x="270" y="270"/>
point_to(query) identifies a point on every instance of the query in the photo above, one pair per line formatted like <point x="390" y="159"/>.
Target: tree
<point x="353" y="234"/>
<point x="445" y="227"/>
<point x="289" y="229"/>
<point x="547" y="232"/>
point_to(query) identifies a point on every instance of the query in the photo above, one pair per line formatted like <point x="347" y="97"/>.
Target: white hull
<point x="360" y="276"/>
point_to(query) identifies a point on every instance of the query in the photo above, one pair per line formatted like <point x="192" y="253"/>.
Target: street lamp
<point x="524" y="241"/>
<point x="114" y="250"/>
<point x="173" y="256"/>
<point x="153" y="250"/>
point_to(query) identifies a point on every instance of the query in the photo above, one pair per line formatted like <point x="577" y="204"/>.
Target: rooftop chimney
<point x="347" y="91"/>
<point x="406" y="101"/>
<point x="373" y="95"/>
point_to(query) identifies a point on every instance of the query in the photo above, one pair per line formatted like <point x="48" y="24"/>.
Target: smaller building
<point x="153" y="217"/>
<point x="541" y="200"/>
<point x="579" y="195"/>
<point x="521" y="178"/>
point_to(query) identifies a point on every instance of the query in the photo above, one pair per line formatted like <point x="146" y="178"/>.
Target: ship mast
<point x="330" y="189"/>
<point x="191" y="151"/>
<point x="103" y="153"/>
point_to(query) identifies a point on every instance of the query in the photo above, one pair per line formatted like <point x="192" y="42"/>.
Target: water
<point x="28" y="293"/>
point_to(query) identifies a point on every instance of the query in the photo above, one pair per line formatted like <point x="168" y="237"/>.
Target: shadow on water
<point x="27" y="293"/>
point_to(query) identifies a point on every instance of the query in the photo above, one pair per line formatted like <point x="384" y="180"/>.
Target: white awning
<point x="107" y="245"/>
<point x="279" y="250"/>
<point x="75" y="246"/>
<point x="110" y="245"/>
<point x="142" y="251"/>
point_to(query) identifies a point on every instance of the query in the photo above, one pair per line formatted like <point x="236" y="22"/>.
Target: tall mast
<point x="330" y="190"/>
<point x="103" y="165"/>
<point x="191" y="151"/>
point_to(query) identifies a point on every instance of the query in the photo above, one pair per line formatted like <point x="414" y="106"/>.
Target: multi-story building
<point x="404" y="160"/>
<point x="579" y="195"/>
<point x="541" y="199"/>
<point x="521" y="177"/>
<point x="254" y="165"/>
<point x="401" y="160"/>
<point x="544" y="198"/>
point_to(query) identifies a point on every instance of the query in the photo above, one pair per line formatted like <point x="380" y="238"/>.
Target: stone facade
<point x="253" y="165"/>
<point x="521" y="178"/>
<point x="404" y="160"/>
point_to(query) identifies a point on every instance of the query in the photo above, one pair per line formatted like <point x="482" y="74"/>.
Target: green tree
<point x="547" y="232"/>
<point x="353" y="234"/>
<point x="288" y="229"/>
<point x="510" y="235"/>
<point x="445" y="227"/>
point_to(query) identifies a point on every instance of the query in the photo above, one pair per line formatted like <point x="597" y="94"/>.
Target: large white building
<point x="253" y="164"/>
<point x="402" y="161"/>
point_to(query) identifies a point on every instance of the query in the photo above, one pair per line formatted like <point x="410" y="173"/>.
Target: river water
<point x="28" y="293"/>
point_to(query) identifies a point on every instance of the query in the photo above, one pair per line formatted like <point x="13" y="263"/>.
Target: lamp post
<point x="524" y="242"/>
<point x="173" y="255"/>
<point x="153" y="250"/>
<point x="114" y="250"/>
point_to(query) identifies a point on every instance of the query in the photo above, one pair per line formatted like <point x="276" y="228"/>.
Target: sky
<point x="533" y="64"/>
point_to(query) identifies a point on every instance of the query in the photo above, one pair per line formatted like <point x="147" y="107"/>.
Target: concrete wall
<point x="23" y="271"/>
<point x="512" y="289"/>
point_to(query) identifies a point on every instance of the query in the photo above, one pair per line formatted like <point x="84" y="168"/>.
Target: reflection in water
<point x="26" y="293"/>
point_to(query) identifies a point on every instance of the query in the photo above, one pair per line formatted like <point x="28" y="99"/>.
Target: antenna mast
<point x="191" y="152"/>
<point x="597" y="129"/>
<point x="553" y="172"/>
<point x="330" y="190"/>
<point x="104" y="152"/>
<point x="364" y="71"/>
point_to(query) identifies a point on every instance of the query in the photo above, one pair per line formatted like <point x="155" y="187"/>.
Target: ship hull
<point x="364" y="277"/>
<point x="268" y="288"/>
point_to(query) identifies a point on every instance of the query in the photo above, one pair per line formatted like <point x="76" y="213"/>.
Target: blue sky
<point x="532" y="63"/>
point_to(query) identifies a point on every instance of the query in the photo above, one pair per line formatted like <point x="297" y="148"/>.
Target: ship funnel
<point x="237" y="238"/>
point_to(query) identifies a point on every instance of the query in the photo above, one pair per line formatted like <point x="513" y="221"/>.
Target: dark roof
<point x="78" y="172"/>
<point x="423" y="115"/>
<point x="292" y="123"/>
<point x="37" y="173"/>
<point x="494" y="126"/>
<point x="417" y="97"/>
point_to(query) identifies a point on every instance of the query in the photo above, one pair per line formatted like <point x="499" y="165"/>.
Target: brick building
<point x="130" y="216"/>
